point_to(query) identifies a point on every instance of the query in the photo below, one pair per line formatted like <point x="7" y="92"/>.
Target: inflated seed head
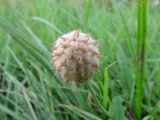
<point x="75" y="56"/>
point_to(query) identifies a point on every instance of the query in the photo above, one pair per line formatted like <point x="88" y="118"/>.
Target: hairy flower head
<point x="75" y="56"/>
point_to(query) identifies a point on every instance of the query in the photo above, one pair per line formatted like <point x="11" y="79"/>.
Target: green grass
<point x="141" y="44"/>
<point x="29" y="88"/>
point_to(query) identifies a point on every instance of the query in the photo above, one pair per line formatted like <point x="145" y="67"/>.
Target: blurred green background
<point x="29" y="89"/>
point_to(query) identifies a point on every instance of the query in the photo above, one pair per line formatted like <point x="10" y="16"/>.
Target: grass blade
<point x="10" y="112"/>
<point x="105" y="88"/>
<point x="141" y="39"/>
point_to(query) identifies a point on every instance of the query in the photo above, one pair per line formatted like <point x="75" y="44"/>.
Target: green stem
<point x="105" y="88"/>
<point x="87" y="9"/>
<point x="141" y="38"/>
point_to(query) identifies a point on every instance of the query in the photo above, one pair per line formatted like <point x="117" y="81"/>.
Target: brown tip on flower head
<point x="75" y="56"/>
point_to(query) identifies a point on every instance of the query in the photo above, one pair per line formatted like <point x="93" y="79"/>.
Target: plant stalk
<point x="141" y="40"/>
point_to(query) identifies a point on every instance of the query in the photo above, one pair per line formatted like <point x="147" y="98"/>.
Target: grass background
<point x="30" y="90"/>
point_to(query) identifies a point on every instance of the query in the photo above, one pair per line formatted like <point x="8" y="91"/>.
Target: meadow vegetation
<point x="29" y="88"/>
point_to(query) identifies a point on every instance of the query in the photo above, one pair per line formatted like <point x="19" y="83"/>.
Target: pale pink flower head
<point x="75" y="56"/>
